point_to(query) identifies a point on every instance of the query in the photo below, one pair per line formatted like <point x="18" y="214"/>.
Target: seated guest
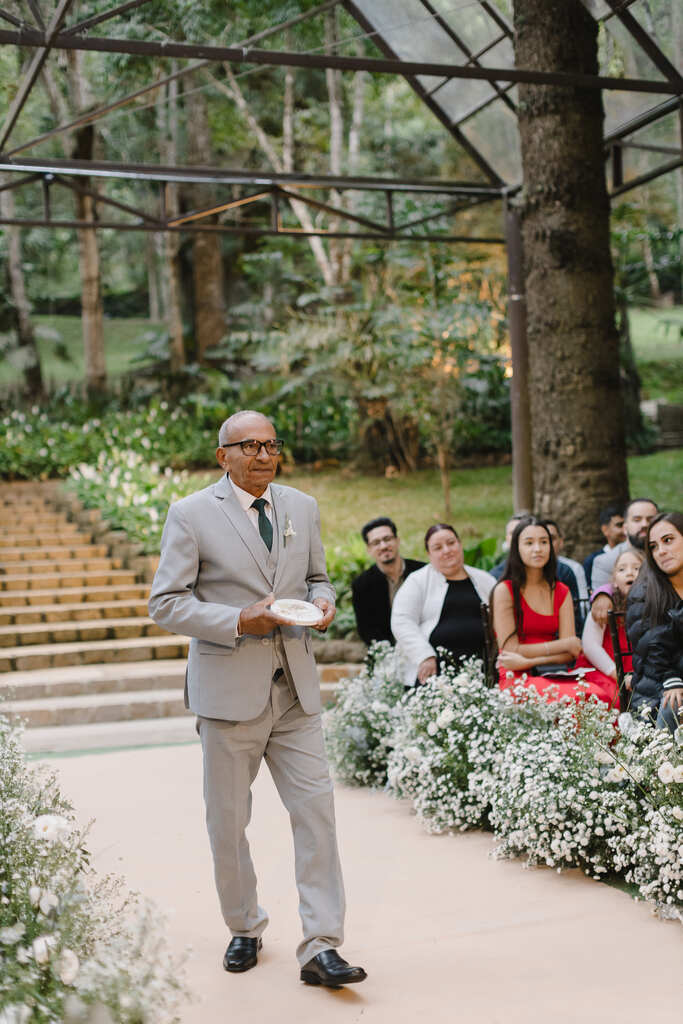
<point x="654" y="623"/>
<point x="638" y="515"/>
<point x="612" y="529"/>
<point x="598" y="651"/>
<point x="440" y="606"/>
<point x="533" y="619"/>
<point x="373" y="591"/>
<point x="570" y="573"/>
<point x="497" y="570"/>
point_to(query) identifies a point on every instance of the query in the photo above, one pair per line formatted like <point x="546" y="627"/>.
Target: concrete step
<point x="78" y="680"/>
<point x="104" y="707"/>
<point x="102" y="736"/>
<point x="56" y="554"/>
<point x="72" y="595"/>
<point x="20" y="615"/>
<point x="63" y="536"/>
<point x="15" y="659"/>
<point x="34" y="634"/>
<point x="103" y="578"/>
<point x="60" y="564"/>
<point x="30" y="521"/>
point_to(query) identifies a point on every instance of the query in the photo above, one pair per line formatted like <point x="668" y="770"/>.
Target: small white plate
<point x="303" y="613"/>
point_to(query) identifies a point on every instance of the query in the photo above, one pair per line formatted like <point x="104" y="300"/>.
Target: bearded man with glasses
<point x="227" y="552"/>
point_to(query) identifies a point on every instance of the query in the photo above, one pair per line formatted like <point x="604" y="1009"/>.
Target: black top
<point x="657" y="650"/>
<point x="370" y="594"/>
<point x="460" y="628"/>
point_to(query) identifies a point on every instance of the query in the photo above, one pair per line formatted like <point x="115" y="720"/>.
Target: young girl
<point x="598" y="651"/>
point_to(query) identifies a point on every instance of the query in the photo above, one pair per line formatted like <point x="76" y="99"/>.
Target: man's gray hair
<point x="228" y="425"/>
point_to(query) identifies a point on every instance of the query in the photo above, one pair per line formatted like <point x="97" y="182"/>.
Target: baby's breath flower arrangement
<point x="68" y="942"/>
<point x="559" y="783"/>
<point x="359" y="728"/>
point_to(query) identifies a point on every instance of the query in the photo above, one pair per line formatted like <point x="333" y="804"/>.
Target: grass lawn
<point x="482" y="498"/>
<point x="657" y="336"/>
<point x="122" y="340"/>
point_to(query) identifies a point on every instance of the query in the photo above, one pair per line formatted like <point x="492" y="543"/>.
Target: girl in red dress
<point x="598" y="652"/>
<point x="533" y="617"/>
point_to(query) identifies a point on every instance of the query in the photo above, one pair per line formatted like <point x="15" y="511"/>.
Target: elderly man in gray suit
<point x="227" y="552"/>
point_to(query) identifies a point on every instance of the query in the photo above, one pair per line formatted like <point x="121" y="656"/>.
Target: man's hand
<point x="257" y="619"/>
<point x="426" y="669"/>
<point x="599" y="609"/>
<point x="329" y="611"/>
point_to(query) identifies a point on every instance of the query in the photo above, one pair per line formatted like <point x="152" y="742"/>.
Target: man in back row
<point x="373" y="591"/>
<point x="638" y="515"/>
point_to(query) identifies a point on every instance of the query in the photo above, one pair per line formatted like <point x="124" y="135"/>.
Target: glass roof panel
<point x="499" y="56"/>
<point x="459" y="95"/>
<point x="494" y="133"/>
<point x="664" y="25"/>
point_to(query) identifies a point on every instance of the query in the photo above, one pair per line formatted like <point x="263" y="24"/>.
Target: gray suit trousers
<point x="292" y="744"/>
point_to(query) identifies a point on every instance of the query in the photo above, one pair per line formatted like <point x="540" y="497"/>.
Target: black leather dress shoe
<point x="241" y="954"/>
<point x="328" y="968"/>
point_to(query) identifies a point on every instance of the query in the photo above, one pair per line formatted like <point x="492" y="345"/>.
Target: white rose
<point x="15" y="1013"/>
<point x="603" y="756"/>
<point x="677" y="813"/>
<point x="41" y="949"/>
<point x="666" y="772"/>
<point x="51" y="827"/>
<point x="12" y="933"/>
<point x="378" y="706"/>
<point x="23" y="955"/>
<point x="432" y="729"/>
<point x="68" y="965"/>
<point x="48" y="901"/>
<point x="678" y="773"/>
<point x="412" y="754"/>
<point x="34" y="895"/>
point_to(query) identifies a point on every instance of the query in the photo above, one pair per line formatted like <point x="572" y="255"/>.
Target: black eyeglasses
<point x="251" y="447"/>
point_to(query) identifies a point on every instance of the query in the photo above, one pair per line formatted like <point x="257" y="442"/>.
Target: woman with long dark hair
<point x="533" y="618"/>
<point x="654" y="623"/>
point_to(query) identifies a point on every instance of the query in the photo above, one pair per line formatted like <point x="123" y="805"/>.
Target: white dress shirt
<point x="246" y="500"/>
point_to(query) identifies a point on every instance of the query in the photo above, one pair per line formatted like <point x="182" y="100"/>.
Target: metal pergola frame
<point x="41" y="39"/>
<point x="268" y="192"/>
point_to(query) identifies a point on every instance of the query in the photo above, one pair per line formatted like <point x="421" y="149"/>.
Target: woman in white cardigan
<point x="439" y="606"/>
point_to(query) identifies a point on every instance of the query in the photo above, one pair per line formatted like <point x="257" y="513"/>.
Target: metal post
<point x="522" y="475"/>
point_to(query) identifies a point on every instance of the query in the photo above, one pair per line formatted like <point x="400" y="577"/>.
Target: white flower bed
<point x="558" y="783"/>
<point x="68" y="943"/>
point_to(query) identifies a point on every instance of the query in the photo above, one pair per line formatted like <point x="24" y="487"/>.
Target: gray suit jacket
<point x="214" y="563"/>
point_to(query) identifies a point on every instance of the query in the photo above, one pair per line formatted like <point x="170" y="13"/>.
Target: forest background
<point x="384" y="358"/>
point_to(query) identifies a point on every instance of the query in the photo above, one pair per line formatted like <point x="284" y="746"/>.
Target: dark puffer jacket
<point x="657" y="650"/>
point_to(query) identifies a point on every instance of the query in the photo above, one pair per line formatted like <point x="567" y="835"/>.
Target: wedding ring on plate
<point x="302" y="613"/>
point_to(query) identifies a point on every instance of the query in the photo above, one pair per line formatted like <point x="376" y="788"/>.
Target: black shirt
<point x="460" y="628"/>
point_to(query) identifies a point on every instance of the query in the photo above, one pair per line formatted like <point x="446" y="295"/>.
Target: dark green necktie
<point x="265" y="527"/>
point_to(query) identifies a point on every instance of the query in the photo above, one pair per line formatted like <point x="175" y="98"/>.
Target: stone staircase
<point x="81" y="662"/>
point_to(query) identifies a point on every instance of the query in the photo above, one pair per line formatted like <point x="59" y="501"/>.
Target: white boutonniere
<point x="289" y="530"/>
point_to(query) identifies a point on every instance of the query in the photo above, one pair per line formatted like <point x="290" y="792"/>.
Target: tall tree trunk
<point x="207" y="263"/>
<point x="358" y="107"/>
<point x="153" y="291"/>
<point x="92" y="316"/>
<point x="334" y="92"/>
<point x="578" y="444"/>
<point x="174" y="315"/>
<point x="29" y="357"/>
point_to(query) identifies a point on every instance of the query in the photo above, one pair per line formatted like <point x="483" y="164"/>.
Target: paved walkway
<point x="445" y="932"/>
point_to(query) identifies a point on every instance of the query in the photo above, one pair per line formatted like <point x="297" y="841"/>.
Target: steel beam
<point x="644" y="179"/>
<point x="99" y="197"/>
<point x="374" y="65"/>
<point x="228" y="229"/>
<point x="223" y="176"/>
<point x="47" y="42"/>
